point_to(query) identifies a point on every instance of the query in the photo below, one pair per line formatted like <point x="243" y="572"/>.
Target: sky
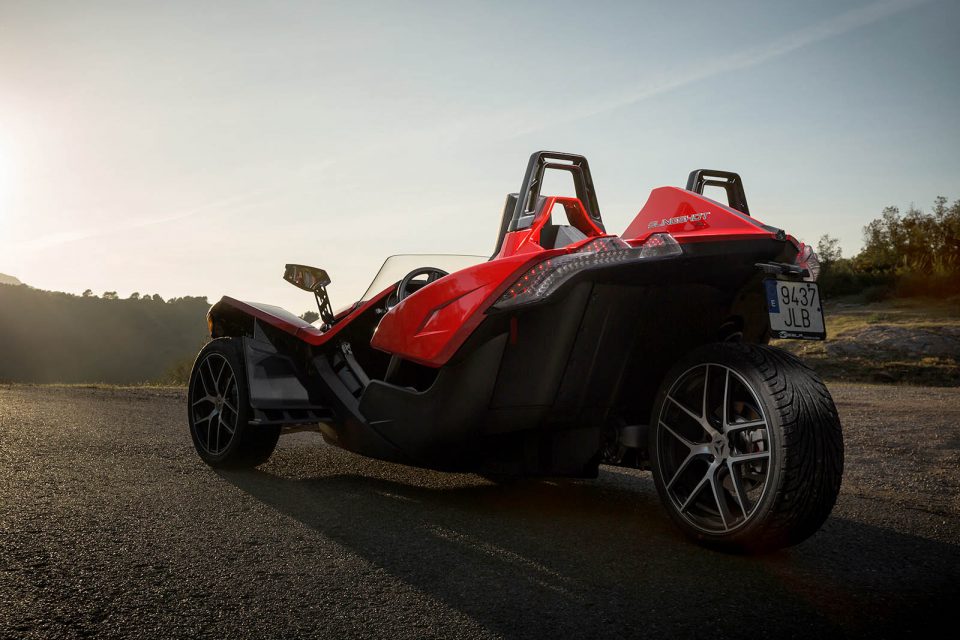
<point x="194" y="148"/>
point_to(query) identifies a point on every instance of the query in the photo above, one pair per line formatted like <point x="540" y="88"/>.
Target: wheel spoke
<point x="203" y="380"/>
<point x="683" y="467"/>
<point x="705" y="417"/>
<point x="687" y="443"/>
<point x="715" y="490"/>
<point x="724" y="410"/>
<point x="718" y="496"/>
<point x="696" y="491"/>
<point x="706" y="387"/>
<point x="747" y="457"/>
<point x="685" y="409"/>
<point x="207" y="417"/>
<point x="226" y="386"/>
<point x="220" y="374"/>
<point x="702" y="418"/>
<point x="226" y="425"/>
<point x="213" y="378"/>
<point x="231" y="382"/>
<point x="203" y="399"/>
<point x="739" y="492"/>
<point x="740" y="426"/>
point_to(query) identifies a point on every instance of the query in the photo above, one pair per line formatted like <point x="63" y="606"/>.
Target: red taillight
<point x="609" y="243"/>
<point x="545" y="277"/>
<point x="522" y="285"/>
<point x="807" y="259"/>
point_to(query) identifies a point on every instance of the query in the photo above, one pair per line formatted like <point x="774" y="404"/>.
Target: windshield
<point x="395" y="267"/>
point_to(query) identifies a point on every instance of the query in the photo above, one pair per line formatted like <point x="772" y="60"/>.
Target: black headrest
<point x="508" y="208"/>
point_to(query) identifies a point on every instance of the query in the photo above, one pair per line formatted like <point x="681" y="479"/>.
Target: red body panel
<point x="290" y="323"/>
<point x="528" y="240"/>
<point x="689" y="217"/>
<point x="431" y="324"/>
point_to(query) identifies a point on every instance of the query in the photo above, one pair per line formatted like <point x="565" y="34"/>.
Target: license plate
<point x="795" y="310"/>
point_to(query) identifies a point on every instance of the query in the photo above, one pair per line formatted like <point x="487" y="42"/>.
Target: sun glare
<point x="6" y="177"/>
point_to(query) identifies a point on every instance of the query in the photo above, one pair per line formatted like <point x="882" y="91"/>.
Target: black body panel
<point x="534" y="387"/>
<point x="280" y="391"/>
<point x="439" y="426"/>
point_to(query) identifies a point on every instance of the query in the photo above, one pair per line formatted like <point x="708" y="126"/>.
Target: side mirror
<point x="307" y="278"/>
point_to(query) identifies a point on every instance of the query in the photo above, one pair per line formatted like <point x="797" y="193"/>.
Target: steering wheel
<point x="433" y="274"/>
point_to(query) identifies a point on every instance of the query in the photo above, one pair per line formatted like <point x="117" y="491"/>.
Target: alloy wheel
<point x="713" y="448"/>
<point x="214" y="399"/>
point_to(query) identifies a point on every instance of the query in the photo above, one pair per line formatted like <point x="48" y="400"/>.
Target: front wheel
<point x="746" y="448"/>
<point x="219" y="411"/>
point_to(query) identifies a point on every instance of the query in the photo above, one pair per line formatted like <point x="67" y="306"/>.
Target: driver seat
<point x="558" y="236"/>
<point x="552" y="236"/>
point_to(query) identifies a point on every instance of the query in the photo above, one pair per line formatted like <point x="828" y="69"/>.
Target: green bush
<point x="910" y="255"/>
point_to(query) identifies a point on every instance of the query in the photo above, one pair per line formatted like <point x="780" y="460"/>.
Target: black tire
<point x="792" y="463"/>
<point x="218" y="409"/>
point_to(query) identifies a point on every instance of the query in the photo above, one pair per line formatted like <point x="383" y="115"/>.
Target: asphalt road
<point x="110" y="526"/>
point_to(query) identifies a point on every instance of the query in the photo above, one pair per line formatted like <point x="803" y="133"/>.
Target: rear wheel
<point x="746" y="447"/>
<point x="218" y="409"/>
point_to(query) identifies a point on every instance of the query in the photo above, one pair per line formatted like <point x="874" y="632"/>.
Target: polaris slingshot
<point x="569" y="348"/>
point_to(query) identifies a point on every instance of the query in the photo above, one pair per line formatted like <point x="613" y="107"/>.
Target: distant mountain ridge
<point x="5" y="279"/>
<point x="48" y="336"/>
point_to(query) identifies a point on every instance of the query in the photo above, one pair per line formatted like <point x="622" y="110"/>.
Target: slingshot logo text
<point x="694" y="217"/>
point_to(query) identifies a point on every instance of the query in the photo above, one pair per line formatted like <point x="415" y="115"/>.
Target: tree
<point x="88" y="293"/>
<point x="110" y="295"/>
<point x="157" y="298"/>
<point x="913" y="242"/>
<point x="828" y="249"/>
<point x="310" y="316"/>
<point x="135" y="295"/>
<point x="151" y="337"/>
<point x="882" y="242"/>
<point x="948" y="223"/>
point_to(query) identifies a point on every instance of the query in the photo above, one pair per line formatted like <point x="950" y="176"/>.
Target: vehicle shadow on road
<point x="600" y="558"/>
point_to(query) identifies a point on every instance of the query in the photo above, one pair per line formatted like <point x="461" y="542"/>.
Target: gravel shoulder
<point x="110" y="526"/>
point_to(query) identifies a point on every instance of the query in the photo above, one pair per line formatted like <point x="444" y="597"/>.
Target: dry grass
<point x="848" y="317"/>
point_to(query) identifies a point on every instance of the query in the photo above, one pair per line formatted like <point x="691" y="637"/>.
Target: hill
<point x="48" y="336"/>
<point x="5" y="279"/>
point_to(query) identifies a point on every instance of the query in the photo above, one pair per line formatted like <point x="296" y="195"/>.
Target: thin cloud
<point x="836" y="26"/>
<point x="62" y="237"/>
<point x="234" y="203"/>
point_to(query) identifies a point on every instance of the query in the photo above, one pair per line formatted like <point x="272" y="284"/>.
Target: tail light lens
<point x="807" y="259"/>
<point x="547" y="276"/>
